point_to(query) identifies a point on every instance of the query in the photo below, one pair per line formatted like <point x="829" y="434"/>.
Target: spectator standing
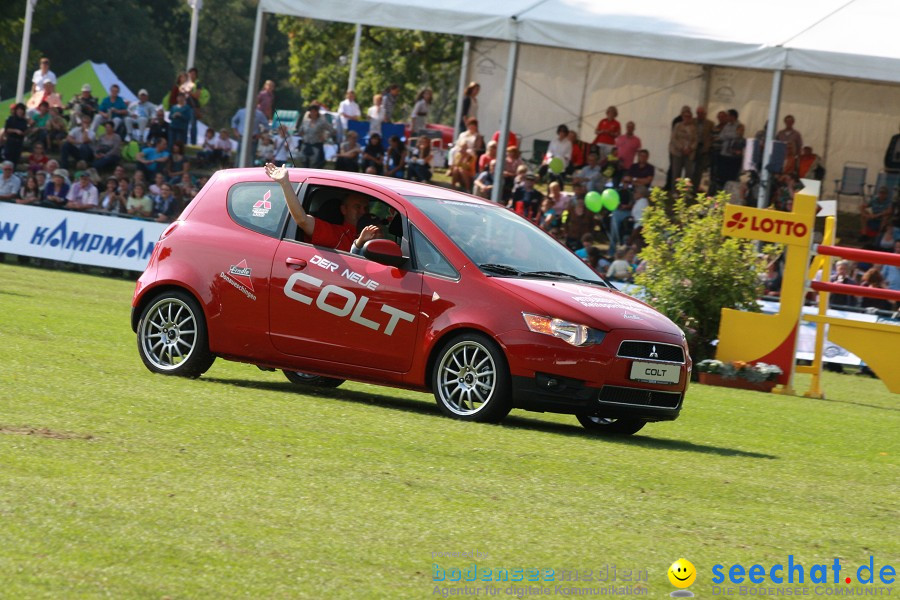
<point x="14" y="132"/>
<point x="470" y="104"/>
<point x="42" y="76"/>
<point x="265" y="99"/>
<point x="107" y="148"/>
<point x="112" y="108"/>
<point x="285" y="142"/>
<point x="607" y="131"/>
<point x="389" y="102"/>
<point x="704" y="145"/>
<point x="628" y="145"/>
<point x="315" y="131"/>
<point x="140" y="112"/>
<point x="180" y="117"/>
<point x="419" y="116"/>
<point x="843" y="274"/>
<point x="9" y="183"/>
<point x="197" y="98"/>
<point x="789" y="136"/>
<point x="78" y="143"/>
<point x="560" y="148"/>
<point x="683" y="146"/>
<point x="260" y="124"/>
<point x="348" y="110"/>
<point x="376" y="115"/>
<point x="83" y="194"/>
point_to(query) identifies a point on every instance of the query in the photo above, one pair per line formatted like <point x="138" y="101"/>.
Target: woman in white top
<point x="561" y="148"/>
<point x="376" y="115"/>
<point x="420" y="111"/>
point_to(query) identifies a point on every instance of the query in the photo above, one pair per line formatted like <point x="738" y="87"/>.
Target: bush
<point x="692" y="271"/>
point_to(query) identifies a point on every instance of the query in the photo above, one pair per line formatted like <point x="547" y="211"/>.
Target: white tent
<point x="656" y="55"/>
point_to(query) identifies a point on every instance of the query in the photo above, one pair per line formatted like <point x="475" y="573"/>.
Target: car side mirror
<point x="385" y="252"/>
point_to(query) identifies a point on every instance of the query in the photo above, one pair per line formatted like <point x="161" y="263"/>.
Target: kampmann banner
<point x="83" y="238"/>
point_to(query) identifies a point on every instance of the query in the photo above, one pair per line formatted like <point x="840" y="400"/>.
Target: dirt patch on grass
<point x="44" y="432"/>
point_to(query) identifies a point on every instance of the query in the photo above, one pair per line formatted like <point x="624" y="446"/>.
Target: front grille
<point x="644" y="350"/>
<point x="622" y="395"/>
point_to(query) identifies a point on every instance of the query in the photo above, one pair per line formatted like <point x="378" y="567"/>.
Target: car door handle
<point x="295" y="263"/>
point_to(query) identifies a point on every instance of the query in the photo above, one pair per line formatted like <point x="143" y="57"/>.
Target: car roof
<point x="401" y="187"/>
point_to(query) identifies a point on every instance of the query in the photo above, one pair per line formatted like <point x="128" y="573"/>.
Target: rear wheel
<point x="606" y="426"/>
<point x="172" y="337"/>
<point x="313" y="380"/>
<point x="471" y="379"/>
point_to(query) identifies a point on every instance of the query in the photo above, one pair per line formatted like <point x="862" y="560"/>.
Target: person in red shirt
<point x="323" y="233"/>
<point x="607" y="131"/>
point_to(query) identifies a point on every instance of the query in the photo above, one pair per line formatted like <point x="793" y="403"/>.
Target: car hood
<point x="591" y="305"/>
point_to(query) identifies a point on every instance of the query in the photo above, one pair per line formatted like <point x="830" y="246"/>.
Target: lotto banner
<point x="83" y="238"/>
<point x="767" y="225"/>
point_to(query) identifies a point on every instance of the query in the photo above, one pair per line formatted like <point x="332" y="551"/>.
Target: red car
<point x="458" y="296"/>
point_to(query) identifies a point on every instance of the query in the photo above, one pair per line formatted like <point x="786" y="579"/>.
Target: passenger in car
<point x="319" y="232"/>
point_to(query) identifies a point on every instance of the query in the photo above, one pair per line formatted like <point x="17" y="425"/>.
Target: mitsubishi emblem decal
<point x="653" y="353"/>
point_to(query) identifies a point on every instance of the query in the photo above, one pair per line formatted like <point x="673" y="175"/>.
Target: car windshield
<point x="502" y="243"/>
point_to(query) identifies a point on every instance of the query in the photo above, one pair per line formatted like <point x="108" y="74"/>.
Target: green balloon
<point x="610" y="199"/>
<point x="556" y="165"/>
<point x="593" y="201"/>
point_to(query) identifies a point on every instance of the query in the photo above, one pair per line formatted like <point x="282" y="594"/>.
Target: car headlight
<point x="573" y="333"/>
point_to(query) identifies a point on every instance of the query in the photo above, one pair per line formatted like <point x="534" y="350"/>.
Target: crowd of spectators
<point x="101" y="138"/>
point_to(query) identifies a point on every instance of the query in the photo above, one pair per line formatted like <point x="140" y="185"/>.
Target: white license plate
<point x="655" y="372"/>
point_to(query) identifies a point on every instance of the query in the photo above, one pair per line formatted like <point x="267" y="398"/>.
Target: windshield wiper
<point x="560" y="274"/>
<point x="500" y="269"/>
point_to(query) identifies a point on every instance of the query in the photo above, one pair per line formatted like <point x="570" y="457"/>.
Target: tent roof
<point x="843" y="38"/>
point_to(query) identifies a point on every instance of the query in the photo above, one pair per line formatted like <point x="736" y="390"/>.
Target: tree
<point x="320" y="55"/>
<point x="693" y="272"/>
<point x="12" y="24"/>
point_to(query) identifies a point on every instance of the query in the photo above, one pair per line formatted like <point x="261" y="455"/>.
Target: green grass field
<point x="118" y="483"/>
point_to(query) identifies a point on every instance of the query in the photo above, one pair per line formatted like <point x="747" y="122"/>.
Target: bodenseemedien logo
<point x="682" y="574"/>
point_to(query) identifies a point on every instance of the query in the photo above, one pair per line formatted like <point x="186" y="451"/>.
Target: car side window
<point x="258" y="206"/>
<point x="429" y="258"/>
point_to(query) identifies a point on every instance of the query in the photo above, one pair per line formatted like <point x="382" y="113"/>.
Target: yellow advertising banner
<point x="768" y="225"/>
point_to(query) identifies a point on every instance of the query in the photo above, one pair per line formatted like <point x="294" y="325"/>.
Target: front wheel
<point x="313" y="380"/>
<point x="172" y="337"/>
<point x="606" y="426"/>
<point x="471" y="379"/>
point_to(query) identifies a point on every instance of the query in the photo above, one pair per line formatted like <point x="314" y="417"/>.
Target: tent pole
<point x="827" y="125"/>
<point x="351" y="83"/>
<point x="584" y="92"/>
<point x="461" y="90"/>
<point x="196" y="5"/>
<point x="511" y="64"/>
<point x="23" y="56"/>
<point x="765" y="177"/>
<point x="704" y="87"/>
<point x="252" y="85"/>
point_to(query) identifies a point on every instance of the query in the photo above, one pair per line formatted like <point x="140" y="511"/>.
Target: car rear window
<point x="258" y="206"/>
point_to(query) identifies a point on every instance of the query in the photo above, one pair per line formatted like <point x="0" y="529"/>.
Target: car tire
<point x="312" y="380"/>
<point x="470" y="379"/>
<point x="172" y="337"/>
<point x="605" y="426"/>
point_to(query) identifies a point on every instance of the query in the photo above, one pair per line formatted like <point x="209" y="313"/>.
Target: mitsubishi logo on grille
<point x="653" y="353"/>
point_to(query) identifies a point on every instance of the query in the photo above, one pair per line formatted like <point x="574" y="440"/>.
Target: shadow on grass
<point x="513" y="422"/>
<point x="7" y="293"/>
<point x="875" y="406"/>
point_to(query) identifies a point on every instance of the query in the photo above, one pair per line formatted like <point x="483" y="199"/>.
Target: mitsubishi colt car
<point x="457" y="296"/>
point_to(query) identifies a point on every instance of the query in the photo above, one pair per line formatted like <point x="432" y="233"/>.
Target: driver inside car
<point x="318" y="231"/>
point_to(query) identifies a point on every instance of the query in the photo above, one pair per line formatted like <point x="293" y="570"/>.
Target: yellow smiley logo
<point x="682" y="573"/>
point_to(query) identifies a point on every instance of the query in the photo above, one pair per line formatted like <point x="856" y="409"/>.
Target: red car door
<point x="332" y="305"/>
